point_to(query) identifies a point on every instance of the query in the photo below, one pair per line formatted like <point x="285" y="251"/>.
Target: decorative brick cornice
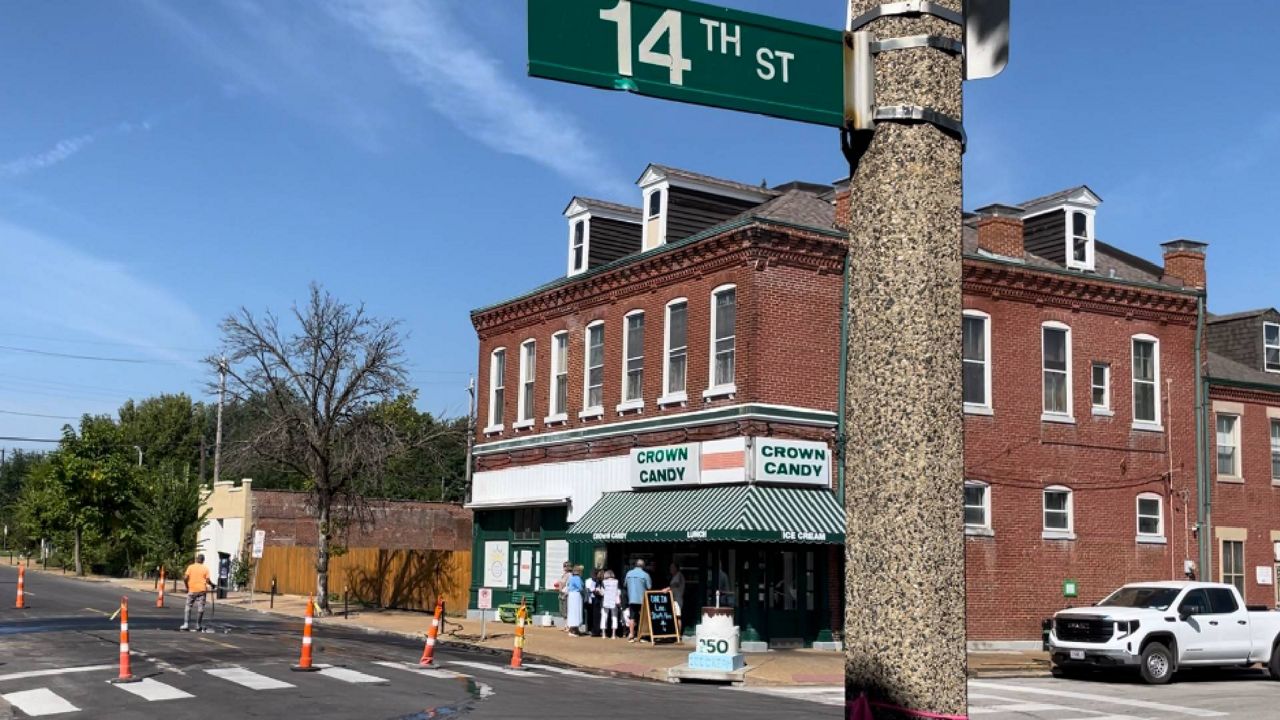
<point x="1243" y="393"/>
<point x="760" y="243"/>
<point x="1077" y="293"/>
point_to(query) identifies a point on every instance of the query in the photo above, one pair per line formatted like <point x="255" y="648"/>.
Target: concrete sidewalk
<point x="553" y="646"/>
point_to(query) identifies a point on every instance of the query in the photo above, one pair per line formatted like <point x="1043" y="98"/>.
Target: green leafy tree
<point x="96" y="476"/>
<point x="167" y="518"/>
<point x="42" y="509"/>
<point x="167" y="428"/>
<point x="431" y="465"/>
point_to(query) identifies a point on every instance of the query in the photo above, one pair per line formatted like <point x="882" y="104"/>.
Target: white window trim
<point x="730" y="388"/>
<point x="563" y="415"/>
<point x="1158" y="537"/>
<point x="985" y="528"/>
<point x="1236" y="434"/>
<point x="1090" y="256"/>
<point x="985" y="408"/>
<point x="495" y="424"/>
<point x="1105" y="408"/>
<point x="1055" y="534"/>
<point x="591" y="411"/>
<point x="1271" y="449"/>
<point x="1157" y="425"/>
<point x="638" y="403"/>
<point x="585" y="219"/>
<point x="645" y="241"/>
<point x="524" y="415"/>
<point x="1265" y="325"/>
<point x="680" y="396"/>
<point x="1069" y="415"/>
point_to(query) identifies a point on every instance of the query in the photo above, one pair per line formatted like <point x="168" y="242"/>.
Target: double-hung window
<point x="1271" y="347"/>
<point x="1058" y="518"/>
<point x="1150" y="517"/>
<point x="633" y="361"/>
<point x="1146" y="381"/>
<point x="578" y="247"/>
<point x="1056" y="359"/>
<point x="1233" y="564"/>
<point x="524" y="404"/>
<point x="1100" y="388"/>
<point x="559" y="377"/>
<point x="497" y="388"/>
<point x="1228" y="445"/>
<point x="1275" y="452"/>
<point x="593" y="377"/>
<point x="723" y="321"/>
<point x="676" y="351"/>
<point x="977" y="361"/>
<point x="977" y="507"/>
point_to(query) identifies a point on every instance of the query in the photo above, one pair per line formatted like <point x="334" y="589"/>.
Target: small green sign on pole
<point x="1069" y="589"/>
<point x="692" y="52"/>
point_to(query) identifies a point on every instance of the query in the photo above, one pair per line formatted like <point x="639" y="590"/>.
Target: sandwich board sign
<point x="658" y="617"/>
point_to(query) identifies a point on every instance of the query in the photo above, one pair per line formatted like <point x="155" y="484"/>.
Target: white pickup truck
<point x="1158" y="627"/>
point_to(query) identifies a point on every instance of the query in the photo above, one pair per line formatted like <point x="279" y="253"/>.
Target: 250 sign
<point x="713" y="646"/>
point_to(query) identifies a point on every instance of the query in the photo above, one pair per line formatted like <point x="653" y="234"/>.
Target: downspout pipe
<point x="841" y="436"/>
<point x="1203" y="484"/>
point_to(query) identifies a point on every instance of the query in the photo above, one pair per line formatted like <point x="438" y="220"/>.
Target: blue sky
<point x="163" y="163"/>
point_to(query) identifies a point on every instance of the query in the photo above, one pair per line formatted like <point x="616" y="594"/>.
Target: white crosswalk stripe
<point x="39" y="702"/>
<point x="822" y="694"/>
<point x="153" y="690"/>
<point x="351" y="676"/>
<point x="1165" y="710"/>
<point x="496" y="668"/>
<point x="561" y="671"/>
<point x="248" y="678"/>
<point x="424" y="671"/>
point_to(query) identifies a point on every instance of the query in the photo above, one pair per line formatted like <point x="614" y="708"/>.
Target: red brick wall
<point x="1015" y="578"/>
<point x="1254" y="504"/>
<point x="288" y="520"/>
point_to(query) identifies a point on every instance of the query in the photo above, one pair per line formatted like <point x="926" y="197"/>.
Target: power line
<point x="9" y="438"/>
<point x="37" y="415"/>
<point x="70" y="341"/>
<point x="99" y="358"/>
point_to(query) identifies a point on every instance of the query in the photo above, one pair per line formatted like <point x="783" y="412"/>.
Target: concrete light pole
<point x="905" y="573"/>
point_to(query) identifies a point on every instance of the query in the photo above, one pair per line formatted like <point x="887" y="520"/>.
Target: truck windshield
<point x="1152" y="598"/>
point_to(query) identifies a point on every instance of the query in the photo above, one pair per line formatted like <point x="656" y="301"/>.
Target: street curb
<point x="6" y="710"/>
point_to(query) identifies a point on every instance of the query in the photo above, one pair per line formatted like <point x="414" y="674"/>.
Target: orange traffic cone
<point x="429" y="652"/>
<point x="517" y="655"/>
<point x="126" y="676"/>
<point x="22" y="600"/>
<point x="160" y="596"/>
<point x="304" y="662"/>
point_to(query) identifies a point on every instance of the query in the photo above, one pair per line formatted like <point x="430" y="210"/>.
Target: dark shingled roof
<point x="1224" y="368"/>
<point x="613" y="207"/>
<point x="796" y="207"/>
<point x="1055" y="197"/>
<point x="709" y="180"/>
<point x="1238" y="315"/>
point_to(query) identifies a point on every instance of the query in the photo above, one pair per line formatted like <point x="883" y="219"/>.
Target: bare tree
<point x="319" y="387"/>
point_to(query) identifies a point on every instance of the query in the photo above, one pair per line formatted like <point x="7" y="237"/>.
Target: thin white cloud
<point x="64" y="149"/>
<point x="469" y="87"/>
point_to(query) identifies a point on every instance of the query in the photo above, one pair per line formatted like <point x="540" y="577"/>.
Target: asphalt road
<point x="57" y="656"/>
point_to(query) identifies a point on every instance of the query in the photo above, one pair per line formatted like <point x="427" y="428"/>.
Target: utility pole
<point x="471" y="431"/>
<point x="905" y="572"/>
<point x="217" y="436"/>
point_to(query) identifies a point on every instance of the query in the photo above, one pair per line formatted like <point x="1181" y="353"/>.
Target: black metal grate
<point x="1083" y="629"/>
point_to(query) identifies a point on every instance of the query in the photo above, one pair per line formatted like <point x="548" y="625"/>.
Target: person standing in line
<point x="637" y="581"/>
<point x="610" y="605"/>
<point x="196" y="580"/>
<point x="575" y="589"/>
<point x="592" y="605"/>
<point x="561" y="586"/>
<point x="676" y="586"/>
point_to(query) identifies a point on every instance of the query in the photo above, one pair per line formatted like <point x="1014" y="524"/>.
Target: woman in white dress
<point x="575" y="590"/>
<point x="610" y="601"/>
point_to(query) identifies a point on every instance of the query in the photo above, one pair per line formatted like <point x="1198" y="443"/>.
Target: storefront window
<point x="528" y="522"/>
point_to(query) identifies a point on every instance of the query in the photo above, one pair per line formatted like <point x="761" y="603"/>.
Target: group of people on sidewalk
<point x="602" y="606"/>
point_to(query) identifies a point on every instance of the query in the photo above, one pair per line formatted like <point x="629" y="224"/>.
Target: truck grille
<point x="1091" y="630"/>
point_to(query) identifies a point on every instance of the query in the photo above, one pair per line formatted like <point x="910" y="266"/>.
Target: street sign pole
<point x="904" y="553"/>
<point x="259" y="544"/>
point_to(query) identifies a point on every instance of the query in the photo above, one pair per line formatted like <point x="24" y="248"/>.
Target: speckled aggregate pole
<point x="904" y="584"/>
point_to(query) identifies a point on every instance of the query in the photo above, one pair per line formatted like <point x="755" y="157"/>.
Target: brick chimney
<point x="1000" y="230"/>
<point x="1184" y="262"/>
<point x="841" y="201"/>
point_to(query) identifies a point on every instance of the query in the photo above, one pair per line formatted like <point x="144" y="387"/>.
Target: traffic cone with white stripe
<point x="126" y="675"/>
<point x="160" y="597"/>
<point x="429" y="652"/>
<point x="517" y="654"/>
<point x="304" y="662"/>
<point x="22" y="595"/>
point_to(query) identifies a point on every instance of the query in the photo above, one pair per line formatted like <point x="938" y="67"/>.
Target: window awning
<point x="756" y="513"/>
<point x="516" y="502"/>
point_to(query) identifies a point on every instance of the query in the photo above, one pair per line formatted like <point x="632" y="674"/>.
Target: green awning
<point x="730" y="512"/>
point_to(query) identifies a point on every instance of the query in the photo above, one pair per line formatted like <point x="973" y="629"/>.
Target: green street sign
<point x="692" y="52"/>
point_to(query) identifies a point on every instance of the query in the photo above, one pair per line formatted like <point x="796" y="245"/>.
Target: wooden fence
<point x="406" y="579"/>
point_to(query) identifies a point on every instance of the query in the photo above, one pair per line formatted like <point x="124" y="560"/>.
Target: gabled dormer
<point x="600" y="232"/>
<point x="1060" y="227"/>
<point x="678" y="203"/>
<point x="1250" y="338"/>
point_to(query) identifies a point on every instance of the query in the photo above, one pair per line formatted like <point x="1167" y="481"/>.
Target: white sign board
<point x="666" y="466"/>
<point x="497" y="558"/>
<point x="525" y="569"/>
<point x="1264" y="574"/>
<point x="557" y="555"/>
<point x="484" y="599"/>
<point x="259" y="542"/>
<point x="793" y="462"/>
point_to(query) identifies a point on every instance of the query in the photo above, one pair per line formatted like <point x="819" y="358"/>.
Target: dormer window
<point x="1080" y="240"/>
<point x="1271" y="347"/>
<point x="578" y="247"/>
<point x="655" y="230"/>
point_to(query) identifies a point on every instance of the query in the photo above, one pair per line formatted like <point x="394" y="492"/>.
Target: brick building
<point x="706" y="324"/>
<point x="1243" y="468"/>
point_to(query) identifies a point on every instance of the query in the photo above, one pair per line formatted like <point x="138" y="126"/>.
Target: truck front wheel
<point x="1157" y="664"/>
<point x="1274" y="665"/>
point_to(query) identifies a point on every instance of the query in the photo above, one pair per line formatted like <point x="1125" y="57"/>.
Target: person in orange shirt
<point x="196" y="579"/>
